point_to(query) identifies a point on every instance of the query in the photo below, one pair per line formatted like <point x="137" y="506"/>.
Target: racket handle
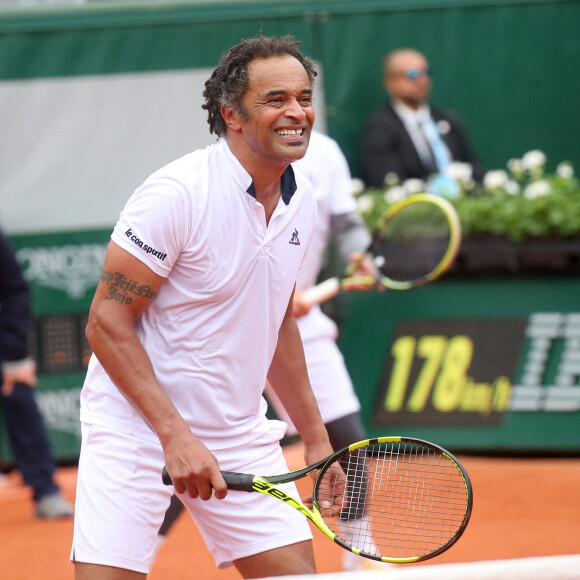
<point x="322" y="292"/>
<point x="238" y="481"/>
<point x="234" y="481"/>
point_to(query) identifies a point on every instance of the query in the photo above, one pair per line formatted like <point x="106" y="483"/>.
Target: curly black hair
<point x="229" y="81"/>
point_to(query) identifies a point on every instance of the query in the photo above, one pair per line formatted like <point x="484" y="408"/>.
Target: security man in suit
<point x="407" y="136"/>
<point x="25" y="426"/>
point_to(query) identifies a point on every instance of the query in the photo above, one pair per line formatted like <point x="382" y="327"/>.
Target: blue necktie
<point x="439" y="149"/>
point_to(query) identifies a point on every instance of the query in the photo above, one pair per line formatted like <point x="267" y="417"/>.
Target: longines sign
<point x="71" y="268"/>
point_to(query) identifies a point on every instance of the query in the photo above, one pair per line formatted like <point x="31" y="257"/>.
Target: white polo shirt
<point x="212" y="330"/>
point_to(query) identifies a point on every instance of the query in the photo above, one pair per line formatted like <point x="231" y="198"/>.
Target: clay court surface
<point x="523" y="508"/>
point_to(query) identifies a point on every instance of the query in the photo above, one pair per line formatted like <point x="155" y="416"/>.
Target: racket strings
<point x="413" y="242"/>
<point x="401" y="500"/>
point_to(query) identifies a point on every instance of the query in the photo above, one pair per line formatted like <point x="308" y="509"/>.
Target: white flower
<point x="516" y="168"/>
<point x="495" y="179"/>
<point x="365" y="203"/>
<point x="469" y="185"/>
<point x="515" y="165"/>
<point x="357" y="185"/>
<point x="414" y="186"/>
<point x="391" y="179"/>
<point x="565" y="170"/>
<point x="512" y="187"/>
<point x="533" y="159"/>
<point x="537" y="189"/>
<point x="395" y="194"/>
<point x="460" y="172"/>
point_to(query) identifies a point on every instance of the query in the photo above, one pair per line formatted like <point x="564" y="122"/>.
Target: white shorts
<point x="330" y="383"/>
<point x="121" y="502"/>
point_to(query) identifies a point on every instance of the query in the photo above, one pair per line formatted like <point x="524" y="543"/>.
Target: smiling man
<point x="186" y="335"/>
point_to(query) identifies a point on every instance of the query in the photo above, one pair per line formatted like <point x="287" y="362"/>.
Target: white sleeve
<point x="343" y="200"/>
<point x="156" y="224"/>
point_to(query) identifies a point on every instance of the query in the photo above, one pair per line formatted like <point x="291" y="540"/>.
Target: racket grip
<point x="238" y="481"/>
<point x="322" y="292"/>
<point x="234" y="481"/>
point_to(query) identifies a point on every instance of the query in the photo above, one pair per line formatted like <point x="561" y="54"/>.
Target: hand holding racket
<point x="406" y="500"/>
<point x="415" y="241"/>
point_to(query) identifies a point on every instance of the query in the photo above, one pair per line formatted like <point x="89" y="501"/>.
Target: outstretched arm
<point x="125" y="291"/>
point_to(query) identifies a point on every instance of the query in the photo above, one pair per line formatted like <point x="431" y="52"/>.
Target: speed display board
<point x="449" y="372"/>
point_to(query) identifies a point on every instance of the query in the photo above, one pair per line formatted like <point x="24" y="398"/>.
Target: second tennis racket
<point x="415" y="241"/>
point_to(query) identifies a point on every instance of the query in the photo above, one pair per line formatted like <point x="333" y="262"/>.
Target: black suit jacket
<point x="15" y="308"/>
<point x="387" y="147"/>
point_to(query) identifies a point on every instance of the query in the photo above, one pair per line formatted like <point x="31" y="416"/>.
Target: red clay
<point x="522" y="508"/>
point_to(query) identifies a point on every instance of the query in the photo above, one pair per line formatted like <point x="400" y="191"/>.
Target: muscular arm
<point x="350" y="233"/>
<point x="289" y="379"/>
<point x="125" y="291"/>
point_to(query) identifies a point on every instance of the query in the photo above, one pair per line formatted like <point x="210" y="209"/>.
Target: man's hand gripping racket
<point x="405" y="500"/>
<point x="415" y="241"/>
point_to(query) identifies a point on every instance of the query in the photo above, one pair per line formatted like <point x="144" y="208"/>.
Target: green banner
<point x="62" y="269"/>
<point x="94" y="98"/>
<point x="474" y="365"/>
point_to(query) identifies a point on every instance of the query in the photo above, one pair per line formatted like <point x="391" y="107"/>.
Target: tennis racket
<point x="415" y="241"/>
<point x="403" y="500"/>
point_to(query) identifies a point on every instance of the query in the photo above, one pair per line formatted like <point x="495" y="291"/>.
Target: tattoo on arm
<point x="121" y="288"/>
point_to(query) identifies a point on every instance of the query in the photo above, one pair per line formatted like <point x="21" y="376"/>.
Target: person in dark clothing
<point x="407" y="136"/>
<point x="24" y="424"/>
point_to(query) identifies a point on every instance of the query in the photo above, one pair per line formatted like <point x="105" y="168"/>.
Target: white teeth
<point x="289" y="132"/>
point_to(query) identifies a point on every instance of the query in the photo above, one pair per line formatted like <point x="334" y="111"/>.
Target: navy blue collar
<point x="287" y="185"/>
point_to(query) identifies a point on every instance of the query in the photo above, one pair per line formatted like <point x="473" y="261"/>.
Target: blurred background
<point x="96" y="95"/>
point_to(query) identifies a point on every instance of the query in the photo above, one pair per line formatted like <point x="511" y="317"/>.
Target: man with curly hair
<point x="193" y="313"/>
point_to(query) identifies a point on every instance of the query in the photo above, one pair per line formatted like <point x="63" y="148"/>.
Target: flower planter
<point x="488" y="253"/>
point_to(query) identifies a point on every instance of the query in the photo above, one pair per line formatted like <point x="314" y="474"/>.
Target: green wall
<point x="509" y="68"/>
<point x="508" y="380"/>
<point x="522" y="328"/>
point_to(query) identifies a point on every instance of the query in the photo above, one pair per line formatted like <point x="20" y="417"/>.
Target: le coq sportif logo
<point x="294" y="240"/>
